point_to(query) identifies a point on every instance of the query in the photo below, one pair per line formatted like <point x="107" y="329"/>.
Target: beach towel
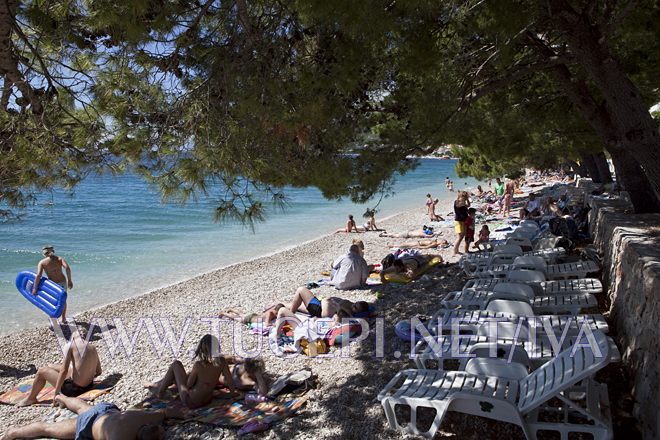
<point x="45" y="397"/>
<point x="403" y="278"/>
<point x="224" y="411"/>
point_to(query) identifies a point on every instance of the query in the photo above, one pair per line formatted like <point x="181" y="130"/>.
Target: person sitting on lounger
<point x="531" y="208"/>
<point x="72" y="377"/>
<point x="266" y="317"/>
<point x="305" y="301"/>
<point x="196" y="388"/>
<point x="423" y="244"/>
<point x="103" y="421"/>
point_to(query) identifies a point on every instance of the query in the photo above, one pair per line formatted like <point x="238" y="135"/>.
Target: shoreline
<point x="234" y="265"/>
<point x="249" y="285"/>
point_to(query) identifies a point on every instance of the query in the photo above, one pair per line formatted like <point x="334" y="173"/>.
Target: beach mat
<point x="226" y="411"/>
<point x="45" y="397"/>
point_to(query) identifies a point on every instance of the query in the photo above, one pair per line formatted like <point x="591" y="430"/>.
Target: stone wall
<point x="630" y="246"/>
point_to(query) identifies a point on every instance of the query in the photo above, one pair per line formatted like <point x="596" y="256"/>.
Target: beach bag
<point x="315" y="348"/>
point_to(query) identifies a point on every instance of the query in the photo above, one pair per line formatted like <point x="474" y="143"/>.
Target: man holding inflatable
<point x="53" y="265"/>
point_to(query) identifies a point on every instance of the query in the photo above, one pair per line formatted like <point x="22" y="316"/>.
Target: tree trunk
<point x="590" y="165"/>
<point x="630" y="176"/>
<point x="632" y="124"/>
<point x="603" y="167"/>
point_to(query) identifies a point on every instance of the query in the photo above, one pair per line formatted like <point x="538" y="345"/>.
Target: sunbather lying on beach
<point x="248" y="374"/>
<point x="423" y="244"/>
<point x="424" y="233"/>
<point x="266" y="317"/>
<point x="407" y="261"/>
<point x="72" y="377"/>
<point x="196" y="388"/>
<point x="103" y="421"/>
<point x="305" y="301"/>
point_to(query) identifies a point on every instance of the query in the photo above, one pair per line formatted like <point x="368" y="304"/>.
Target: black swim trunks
<point x="314" y="307"/>
<point x="72" y="389"/>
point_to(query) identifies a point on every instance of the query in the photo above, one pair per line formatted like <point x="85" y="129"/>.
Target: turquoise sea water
<point x="121" y="241"/>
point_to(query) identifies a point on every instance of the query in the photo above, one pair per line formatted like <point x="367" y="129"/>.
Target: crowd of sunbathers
<point x="81" y="364"/>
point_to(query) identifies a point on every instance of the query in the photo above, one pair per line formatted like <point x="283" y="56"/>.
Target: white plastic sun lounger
<point x="538" y="347"/>
<point x="505" y="254"/>
<point x="523" y="401"/>
<point x="578" y="269"/>
<point x="583" y="285"/>
<point x="445" y="320"/>
<point x="571" y="303"/>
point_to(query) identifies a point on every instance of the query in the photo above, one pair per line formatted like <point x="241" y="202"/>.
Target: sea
<point x="121" y="240"/>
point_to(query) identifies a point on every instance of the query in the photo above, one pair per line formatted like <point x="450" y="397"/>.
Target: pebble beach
<point x="342" y="403"/>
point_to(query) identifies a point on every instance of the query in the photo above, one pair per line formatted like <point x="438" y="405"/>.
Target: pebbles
<point x="145" y="333"/>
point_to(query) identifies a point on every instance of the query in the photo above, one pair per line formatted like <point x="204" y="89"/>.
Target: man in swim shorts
<point x="53" y="265"/>
<point x="103" y="421"/>
<point x="305" y="301"/>
<point x="72" y="377"/>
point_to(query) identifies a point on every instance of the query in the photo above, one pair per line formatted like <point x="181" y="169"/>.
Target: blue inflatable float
<point x="50" y="297"/>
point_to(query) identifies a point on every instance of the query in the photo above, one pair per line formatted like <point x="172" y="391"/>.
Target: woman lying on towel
<point x="267" y="316"/>
<point x="423" y="244"/>
<point x="426" y="232"/>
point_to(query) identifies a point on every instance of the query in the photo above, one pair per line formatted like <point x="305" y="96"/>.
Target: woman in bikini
<point x="196" y="389"/>
<point x="267" y="316"/>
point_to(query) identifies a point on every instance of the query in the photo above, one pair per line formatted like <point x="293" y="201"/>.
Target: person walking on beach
<point x="461" y="205"/>
<point x="72" y="377"/>
<point x="509" y="189"/>
<point x="53" y="265"/>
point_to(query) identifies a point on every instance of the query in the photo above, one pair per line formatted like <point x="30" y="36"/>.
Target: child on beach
<point x="469" y="228"/>
<point x="429" y="203"/>
<point x="53" y="265"/>
<point x="196" y="388"/>
<point x="484" y="235"/>
<point x="266" y="317"/>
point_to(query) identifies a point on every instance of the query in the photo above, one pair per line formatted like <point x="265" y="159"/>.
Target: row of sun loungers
<point x="536" y="371"/>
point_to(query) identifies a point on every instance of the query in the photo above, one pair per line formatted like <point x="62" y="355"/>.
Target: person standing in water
<point x="53" y="265"/>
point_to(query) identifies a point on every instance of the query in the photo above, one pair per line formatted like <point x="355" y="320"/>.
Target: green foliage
<point x="253" y="96"/>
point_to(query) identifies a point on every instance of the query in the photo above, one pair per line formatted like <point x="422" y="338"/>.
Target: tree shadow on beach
<point x="93" y="332"/>
<point x="7" y="371"/>
<point x="111" y="380"/>
<point x="351" y="407"/>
